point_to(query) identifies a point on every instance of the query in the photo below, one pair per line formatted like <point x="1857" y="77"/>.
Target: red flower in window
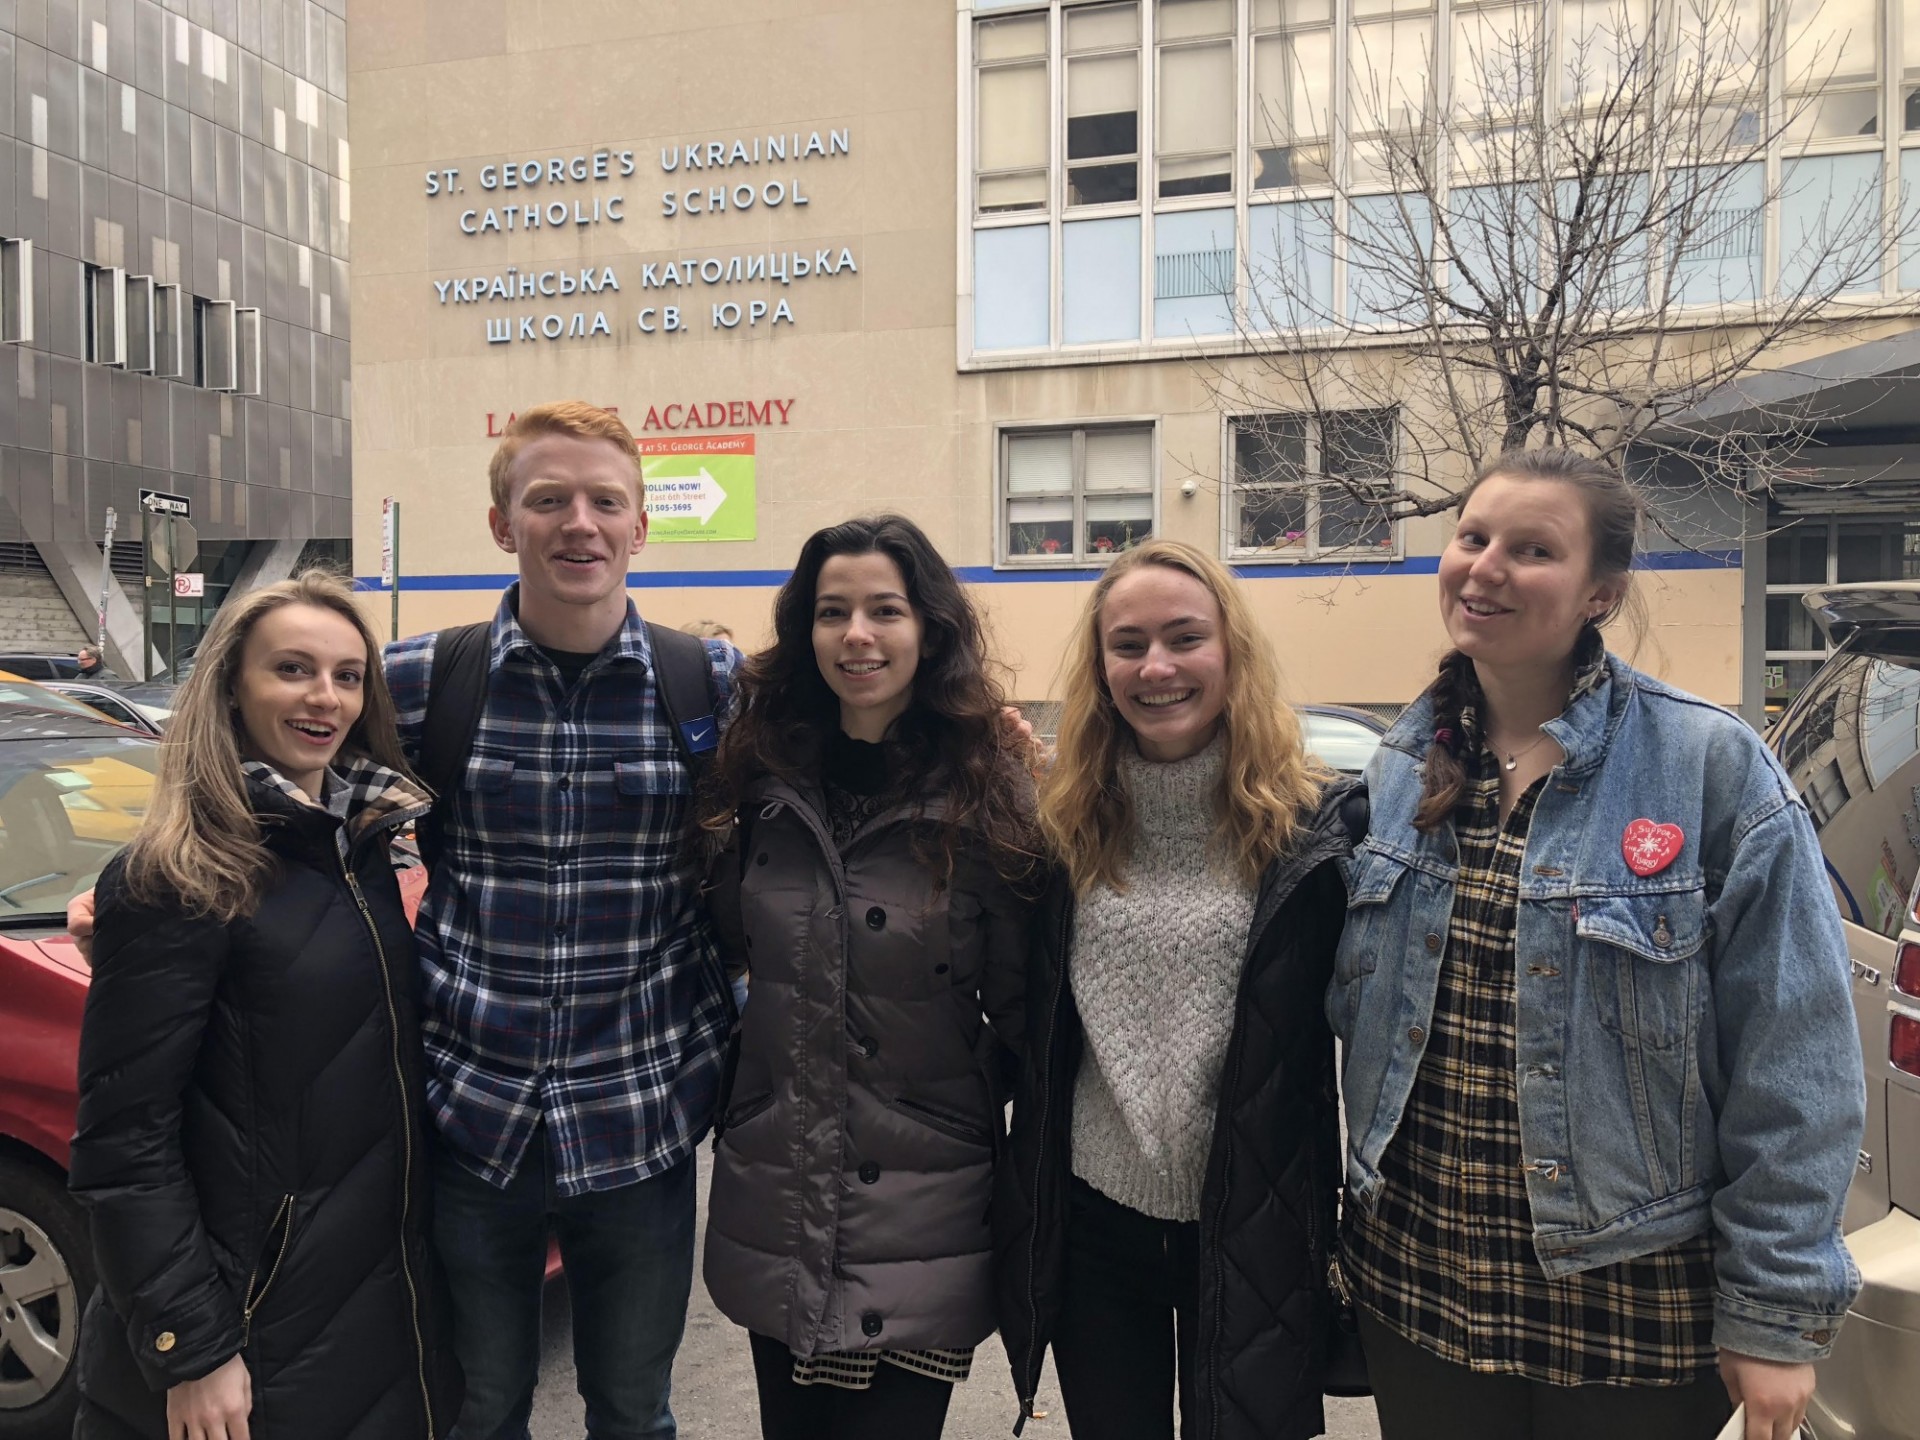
<point x="1103" y="543"/>
<point x="1051" y="546"/>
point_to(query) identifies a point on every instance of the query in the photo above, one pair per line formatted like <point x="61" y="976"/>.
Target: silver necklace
<point x="1512" y="762"/>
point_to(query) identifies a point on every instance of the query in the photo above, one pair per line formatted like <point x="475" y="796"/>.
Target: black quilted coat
<point x="1269" y="1201"/>
<point x="249" y="1146"/>
<point x="854" y="1163"/>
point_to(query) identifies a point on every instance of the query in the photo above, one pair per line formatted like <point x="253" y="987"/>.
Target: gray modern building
<point x="173" y="295"/>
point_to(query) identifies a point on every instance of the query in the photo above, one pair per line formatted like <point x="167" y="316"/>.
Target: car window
<point x="17" y="692"/>
<point x="66" y="805"/>
<point x="1852" y="749"/>
<point x="1342" y="743"/>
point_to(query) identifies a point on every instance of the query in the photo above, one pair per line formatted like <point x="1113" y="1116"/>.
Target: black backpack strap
<point x="456" y="695"/>
<point x="1356" y="811"/>
<point x="684" y="677"/>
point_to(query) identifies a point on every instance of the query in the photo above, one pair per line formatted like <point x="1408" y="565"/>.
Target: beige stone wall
<point x="880" y="417"/>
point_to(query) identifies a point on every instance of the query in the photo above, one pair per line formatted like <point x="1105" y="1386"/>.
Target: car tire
<point x="46" y="1274"/>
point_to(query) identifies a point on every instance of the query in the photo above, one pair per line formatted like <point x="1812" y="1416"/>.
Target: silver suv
<point x="1851" y="743"/>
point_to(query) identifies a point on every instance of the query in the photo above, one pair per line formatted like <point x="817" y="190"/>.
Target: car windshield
<point x="25" y="692"/>
<point x="66" y="805"/>
<point x="1342" y="743"/>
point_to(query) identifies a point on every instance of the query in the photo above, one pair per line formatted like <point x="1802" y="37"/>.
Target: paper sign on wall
<point x="699" y="487"/>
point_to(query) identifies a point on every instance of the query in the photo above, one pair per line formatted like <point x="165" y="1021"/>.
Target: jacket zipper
<point x="406" y="1143"/>
<point x="1050" y="1037"/>
<point x="283" y="1210"/>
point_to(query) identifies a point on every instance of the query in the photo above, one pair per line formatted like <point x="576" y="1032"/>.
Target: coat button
<point x="1818" y="1337"/>
<point x="761" y="858"/>
<point x="1416" y="1034"/>
<point x="1433" y="941"/>
<point x="566" y="782"/>
<point x="876" y="919"/>
<point x="164" y="1341"/>
<point x="869" y="1173"/>
<point x="870" y="1323"/>
<point x="868" y="1046"/>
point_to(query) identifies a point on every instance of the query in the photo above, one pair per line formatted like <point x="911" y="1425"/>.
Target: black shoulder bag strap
<point x="456" y="695"/>
<point x="684" y="677"/>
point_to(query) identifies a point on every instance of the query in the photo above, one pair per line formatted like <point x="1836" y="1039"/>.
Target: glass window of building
<point x="1389" y="75"/>
<point x="1301" y="485"/>
<point x="1292" y="120"/>
<point x="1194" y="116"/>
<point x="1075" y="495"/>
<point x="1010" y="114"/>
<point x="1831" y="75"/>
<point x="1807" y="552"/>
<point x="1103" y="104"/>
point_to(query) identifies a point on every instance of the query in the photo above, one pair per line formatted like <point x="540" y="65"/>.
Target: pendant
<point x="1510" y="764"/>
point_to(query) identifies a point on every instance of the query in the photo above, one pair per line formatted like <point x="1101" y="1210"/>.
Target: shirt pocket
<point x="637" y="781"/>
<point x="1373" y="921"/>
<point x="1645" y="960"/>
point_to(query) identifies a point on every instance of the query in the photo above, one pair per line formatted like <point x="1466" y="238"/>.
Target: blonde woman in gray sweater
<point x="1167" y="1217"/>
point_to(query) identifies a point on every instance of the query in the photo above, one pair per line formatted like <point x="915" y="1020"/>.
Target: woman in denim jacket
<point x="1602" y="1077"/>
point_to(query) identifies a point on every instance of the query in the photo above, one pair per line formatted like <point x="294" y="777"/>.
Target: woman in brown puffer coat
<point x="880" y="826"/>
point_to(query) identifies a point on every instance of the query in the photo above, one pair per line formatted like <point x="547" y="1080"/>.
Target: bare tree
<point x="1566" y="247"/>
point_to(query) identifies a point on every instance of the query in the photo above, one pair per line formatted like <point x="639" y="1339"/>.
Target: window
<point x="169" y="332"/>
<point x="138" y="291"/>
<point x="215" y="350"/>
<point x="106" y="302"/>
<point x="1293" y="493"/>
<point x="1910" y="73"/>
<point x="1075" y="495"/>
<point x="1103" y="104"/>
<point x="1832" y="71"/>
<point x="16" y="292"/>
<point x="1808" y="553"/>
<point x="1195" y="111"/>
<point x="246" y="351"/>
<point x="1292" y="93"/>
<point x="1389" y="70"/>
<point x="1010" y="114"/>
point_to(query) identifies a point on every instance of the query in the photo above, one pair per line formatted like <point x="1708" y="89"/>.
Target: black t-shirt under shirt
<point x="569" y="662"/>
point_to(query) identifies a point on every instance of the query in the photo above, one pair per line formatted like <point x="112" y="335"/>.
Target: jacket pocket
<point x="954" y="1127"/>
<point x="266" y="1265"/>
<point x="745" y="1111"/>
<point x="1641" y="955"/>
<point x="1372" y="882"/>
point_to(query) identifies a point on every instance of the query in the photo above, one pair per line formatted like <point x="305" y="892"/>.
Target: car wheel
<point x="46" y="1273"/>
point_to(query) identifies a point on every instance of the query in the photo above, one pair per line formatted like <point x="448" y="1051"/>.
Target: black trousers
<point x="1422" y="1397"/>
<point x="899" y="1405"/>
<point x="1128" y="1323"/>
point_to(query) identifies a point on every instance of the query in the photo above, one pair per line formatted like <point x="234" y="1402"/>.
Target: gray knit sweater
<point x="1154" y="971"/>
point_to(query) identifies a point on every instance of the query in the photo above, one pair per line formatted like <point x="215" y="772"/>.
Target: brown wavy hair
<point x="1269" y="782"/>
<point x="952" y="735"/>
<point x="200" y="844"/>
<point x="1613" y="520"/>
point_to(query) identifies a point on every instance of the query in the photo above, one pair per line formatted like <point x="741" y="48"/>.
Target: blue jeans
<point x="629" y="1261"/>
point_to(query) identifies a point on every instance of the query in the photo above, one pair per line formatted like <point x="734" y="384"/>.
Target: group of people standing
<point x="1601" y="1082"/>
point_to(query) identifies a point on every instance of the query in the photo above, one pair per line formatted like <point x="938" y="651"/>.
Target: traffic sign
<point x="189" y="586"/>
<point x="160" y="502"/>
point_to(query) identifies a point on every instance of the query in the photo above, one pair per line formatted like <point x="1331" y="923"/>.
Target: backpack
<point x="457" y="694"/>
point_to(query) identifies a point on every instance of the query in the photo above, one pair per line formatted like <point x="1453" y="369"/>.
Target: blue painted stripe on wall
<point x="987" y="575"/>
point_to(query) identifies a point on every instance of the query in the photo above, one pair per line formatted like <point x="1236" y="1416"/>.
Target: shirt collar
<point x="509" y="639"/>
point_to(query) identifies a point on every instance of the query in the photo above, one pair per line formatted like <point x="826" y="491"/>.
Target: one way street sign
<point x="159" y="502"/>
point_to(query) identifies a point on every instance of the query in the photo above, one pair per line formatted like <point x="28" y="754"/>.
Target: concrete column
<point x="75" y="567"/>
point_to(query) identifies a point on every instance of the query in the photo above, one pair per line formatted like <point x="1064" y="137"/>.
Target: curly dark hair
<point x="952" y="737"/>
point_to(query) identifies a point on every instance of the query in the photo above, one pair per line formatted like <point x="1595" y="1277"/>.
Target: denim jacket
<point x="1687" y="1052"/>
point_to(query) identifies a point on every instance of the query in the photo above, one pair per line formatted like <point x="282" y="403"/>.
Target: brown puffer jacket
<point x="855" y="1150"/>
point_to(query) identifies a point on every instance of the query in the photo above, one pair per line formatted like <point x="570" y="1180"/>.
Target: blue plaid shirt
<point x="570" y="974"/>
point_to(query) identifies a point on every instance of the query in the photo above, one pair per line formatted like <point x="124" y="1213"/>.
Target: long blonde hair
<point x="200" y="844"/>
<point x="1268" y="779"/>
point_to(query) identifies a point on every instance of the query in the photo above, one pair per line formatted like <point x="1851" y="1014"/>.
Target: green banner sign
<point x="699" y="487"/>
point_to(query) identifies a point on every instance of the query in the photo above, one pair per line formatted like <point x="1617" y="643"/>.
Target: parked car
<point x="1851" y="743"/>
<point x="42" y="666"/>
<point x="1344" y="738"/>
<point x="73" y="787"/>
<point x="114" y="703"/>
<point x="36" y="696"/>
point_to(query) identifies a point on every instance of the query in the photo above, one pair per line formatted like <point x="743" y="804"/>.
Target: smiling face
<point x="299" y="687"/>
<point x="1165" y="655"/>
<point x="866" y="640"/>
<point x="574" y="518"/>
<point x="1517" y="581"/>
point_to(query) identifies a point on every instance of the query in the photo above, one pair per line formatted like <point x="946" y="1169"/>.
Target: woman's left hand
<point x="1775" y="1393"/>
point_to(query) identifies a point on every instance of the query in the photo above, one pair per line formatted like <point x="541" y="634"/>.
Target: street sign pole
<point x="173" y="611"/>
<point x="146" y="594"/>
<point x="106" y="579"/>
<point x="395" y="523"/>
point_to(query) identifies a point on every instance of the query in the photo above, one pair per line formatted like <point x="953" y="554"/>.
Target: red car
<point x="72" y="791"/>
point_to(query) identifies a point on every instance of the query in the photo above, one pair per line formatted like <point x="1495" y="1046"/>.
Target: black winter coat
<point x="250" y="1145"/>
<point x="1268" y="1204"/>
<point x="854" y="1160"/>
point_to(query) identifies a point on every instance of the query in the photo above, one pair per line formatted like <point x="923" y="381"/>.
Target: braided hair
<point x="1613" y="520"/>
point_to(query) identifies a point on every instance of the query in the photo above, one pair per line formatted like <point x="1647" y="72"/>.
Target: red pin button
<point x="1651" y="847"/>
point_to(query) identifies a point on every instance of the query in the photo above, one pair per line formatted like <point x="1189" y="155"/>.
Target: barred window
<point x="1301" y="485"/>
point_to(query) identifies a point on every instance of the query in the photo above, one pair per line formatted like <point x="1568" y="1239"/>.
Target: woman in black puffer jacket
<point x="249" y="1138"/>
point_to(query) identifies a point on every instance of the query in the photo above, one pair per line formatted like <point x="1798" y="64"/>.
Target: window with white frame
<point x="1194" y="113"/>
<point x="1389" y="75"/>
<point x="1292" y="120"/>
<point x="1010" y="114"/>
<point x="1077" y="494"/>
<point x="1103" y="104"/>
<point x="1301" y="485"/>
<point x="1832" y="71"/>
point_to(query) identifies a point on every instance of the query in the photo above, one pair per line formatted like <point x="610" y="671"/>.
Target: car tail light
<point x="1906" y="969"/>
<point x="1903" y="1044"/>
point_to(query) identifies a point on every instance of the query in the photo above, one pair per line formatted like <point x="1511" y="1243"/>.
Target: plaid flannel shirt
<point x="570" y="974"/>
